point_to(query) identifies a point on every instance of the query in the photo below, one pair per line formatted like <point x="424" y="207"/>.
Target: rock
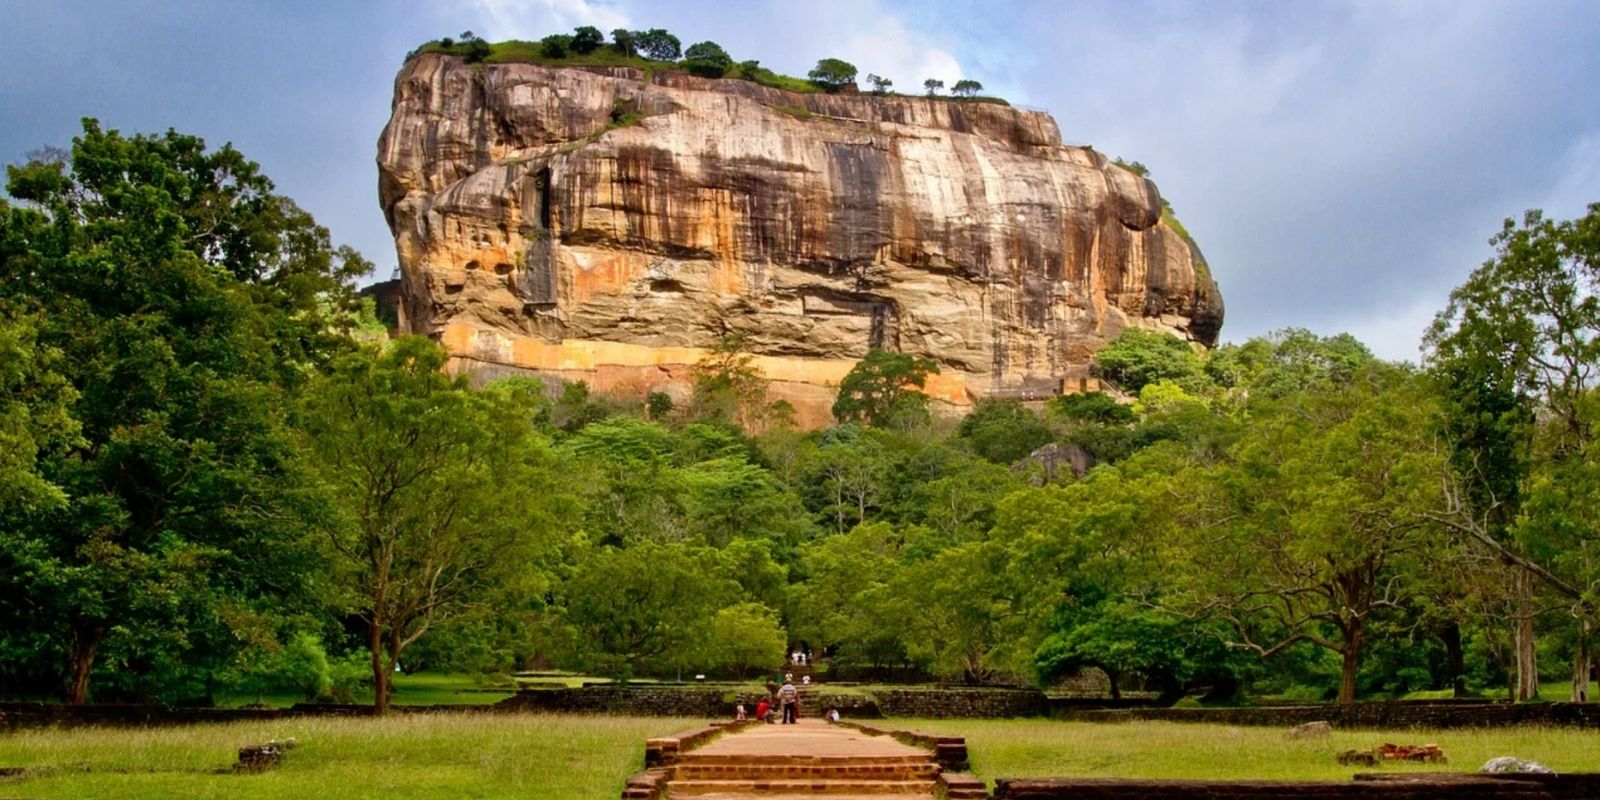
<point x="1310" y="730"/>
<point x="1053" y="461"/>
<point x="260" y="757"/>
<point x="1509" y="764"/>
<point x="608" y="225"/>
<point x="1359" y="758"/>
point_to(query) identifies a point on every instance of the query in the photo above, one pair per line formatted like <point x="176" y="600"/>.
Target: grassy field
<point x="413" y="756"/>
<point x="1044" y="748"/>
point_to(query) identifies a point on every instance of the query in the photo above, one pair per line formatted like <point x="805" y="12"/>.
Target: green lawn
<point x="410" y="756"/>
<point x="1046" y="748"/>
<point x="421" y="689"/>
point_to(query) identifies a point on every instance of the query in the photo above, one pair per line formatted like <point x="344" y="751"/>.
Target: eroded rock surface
<point x="607" y="225"/>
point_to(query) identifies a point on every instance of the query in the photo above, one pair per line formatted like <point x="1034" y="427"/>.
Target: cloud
<point x="534" y="19"/>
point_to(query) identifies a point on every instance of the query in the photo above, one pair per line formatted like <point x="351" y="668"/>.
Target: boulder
<point x="1510" y="764"/>
<point x="1310" y="730"/>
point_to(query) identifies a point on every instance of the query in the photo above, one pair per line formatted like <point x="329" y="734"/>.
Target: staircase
<point x="780" y="777"/>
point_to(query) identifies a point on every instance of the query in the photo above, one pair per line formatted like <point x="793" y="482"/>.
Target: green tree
<point x="1093" y="407"/>
<point x="587" y="39"/>
<point x="630" y="610"/>
<point x="1520" y="339"/>
<point x="1003" y="430"/>
<point x="832" y="74"/>
<point x="728" y="385"/>
<point x="556" y="45"/>
<point x="966" y="88"/>
<point x="1137" y="357"/>
<point x="443" y="493"/>
<point x="884" y="389"/>
<point x="933" y="86"/>
<point x="747" y="636"/>
<point x="180" y="298"/>
<point x="625" y="42"/>
<point x="658" y="45"/>
<point x="1311" y="533"/>
<point x="880" y="84"/>
<point x="707" y="59"/>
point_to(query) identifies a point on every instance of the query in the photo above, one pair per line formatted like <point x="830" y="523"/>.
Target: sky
<point x="1341" y="164"/>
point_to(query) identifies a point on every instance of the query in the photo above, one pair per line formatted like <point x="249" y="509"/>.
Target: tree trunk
<point x="380" y="675"/>
<point x="1354" y="634"/>
<point x="1580" y="665"/>
<point x="1527" y="656"/>
<point x="1454" y="660"/>
<point x="84" y="644"/>
<point x="1116" y="691"/>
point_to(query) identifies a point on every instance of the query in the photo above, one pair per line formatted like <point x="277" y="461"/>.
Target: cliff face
<point x="606" y="225"/>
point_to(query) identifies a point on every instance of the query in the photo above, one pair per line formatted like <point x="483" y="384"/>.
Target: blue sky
<point x="1342" y="164"/>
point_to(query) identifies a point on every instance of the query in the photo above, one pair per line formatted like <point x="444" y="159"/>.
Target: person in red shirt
<point x="761" y="710"/>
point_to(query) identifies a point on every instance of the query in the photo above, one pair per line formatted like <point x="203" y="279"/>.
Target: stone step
<point x="807" y="771"/>
<point x="831" y="788"/>
<point x="785" y="760"/>
<point x="804" y="795"/>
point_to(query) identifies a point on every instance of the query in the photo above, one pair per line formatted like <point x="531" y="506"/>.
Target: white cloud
<point x="534" y="19"/>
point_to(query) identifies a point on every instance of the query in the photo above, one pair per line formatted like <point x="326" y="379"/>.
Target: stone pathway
<point x="808" y="759"/>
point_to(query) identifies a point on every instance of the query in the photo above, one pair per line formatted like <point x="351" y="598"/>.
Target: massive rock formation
<point x="609" y="225"/>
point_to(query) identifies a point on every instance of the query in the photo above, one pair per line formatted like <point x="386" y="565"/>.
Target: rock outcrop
<point x="608" y="225"/>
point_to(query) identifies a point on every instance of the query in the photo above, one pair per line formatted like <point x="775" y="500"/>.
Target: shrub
<point x="556" y="45"/>
<point x="587" y="39"/>
<point x="1097" y="407"/>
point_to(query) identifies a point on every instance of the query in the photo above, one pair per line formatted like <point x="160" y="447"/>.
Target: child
<point x="738" y="713"/>
<point x="763" y="710"/>
<point x="832" y="715"/>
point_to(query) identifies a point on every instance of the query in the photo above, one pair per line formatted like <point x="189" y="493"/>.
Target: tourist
<point x="738" y="713"/>
<point x="764" y="710"/>
<point x="789" y="697"/>
<point x="806" y="680"/>
<point x="832" y="715"/>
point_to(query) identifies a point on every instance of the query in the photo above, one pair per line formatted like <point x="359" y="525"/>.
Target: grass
<point x="413" y="756"/>
<point x="421" y="689"/>
<point x="1046" y="748"/>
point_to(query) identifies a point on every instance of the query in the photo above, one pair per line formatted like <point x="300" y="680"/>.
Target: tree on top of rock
<point x="884" y="390"/>
<point x="966" y="88"/>
<point x="707" y="59"/>
<point x="587" y="39"/>
<point x="934" y="86"/>
<point x="658" y="45"/>
<point x="833" y="74"/>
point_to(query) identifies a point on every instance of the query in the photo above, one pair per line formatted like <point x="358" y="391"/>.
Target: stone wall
<point x="1397" y="714"/>
<point x="708" y="702"/>
<point x="974" y="703"/>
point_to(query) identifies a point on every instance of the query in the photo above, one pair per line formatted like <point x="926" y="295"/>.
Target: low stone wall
<point x="953" y="702"/>
<point x="1396" y="714"/>
<point x="641" y="701"/>
<point x="949" y="752"/>
<point x="1401" y="786"/>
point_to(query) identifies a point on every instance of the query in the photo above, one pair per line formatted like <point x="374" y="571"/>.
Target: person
<point x="764" y="710"/>
<point x="738" y="713"/>
<point x="806" y="680"/>
<point x="833" y="715"/>
<point x="790" y="698"/>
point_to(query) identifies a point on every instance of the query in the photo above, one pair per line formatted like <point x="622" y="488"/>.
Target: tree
<point x="1520" y="339"/>
<point x="747" y="636"/>
<point x="880" y="84"/>
<point x="933" y="86"/>
<point x="442" y="493"/>
<point x="1137" y="357"/>
<point x="966" y="88"/>
<point x="649" y="605"/>
<point x="556" y="45"/>
<point x="587" y="39"/>
<point x="1095" y="407"/>
<point x="832" y="74"/>
<point x="885" y="389"/>
<point x="180" y="298"/>
<point x="625" y="42"/>
<point x="658" y="45"/>
<point x="1003" y="430"/>
<point x="1311" y="533"/>
<point x="728" y="384"/>
<point x="707" y="59"/>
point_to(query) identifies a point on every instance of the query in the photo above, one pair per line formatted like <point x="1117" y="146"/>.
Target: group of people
<point x="800" y="658"/>
<point x="781" y="701"/>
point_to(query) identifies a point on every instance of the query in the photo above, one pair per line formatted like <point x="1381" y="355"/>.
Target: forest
<point x="218" y="474"/>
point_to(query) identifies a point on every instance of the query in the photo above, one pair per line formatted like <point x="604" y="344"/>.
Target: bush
<point x="1138" y="357"/>
<point x="1097" y="407"/>
<point x="707" y="59"/>
<point x="1003" y="431"/>
<point x="556" y="45"/>
<point x="587" y="39"/>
